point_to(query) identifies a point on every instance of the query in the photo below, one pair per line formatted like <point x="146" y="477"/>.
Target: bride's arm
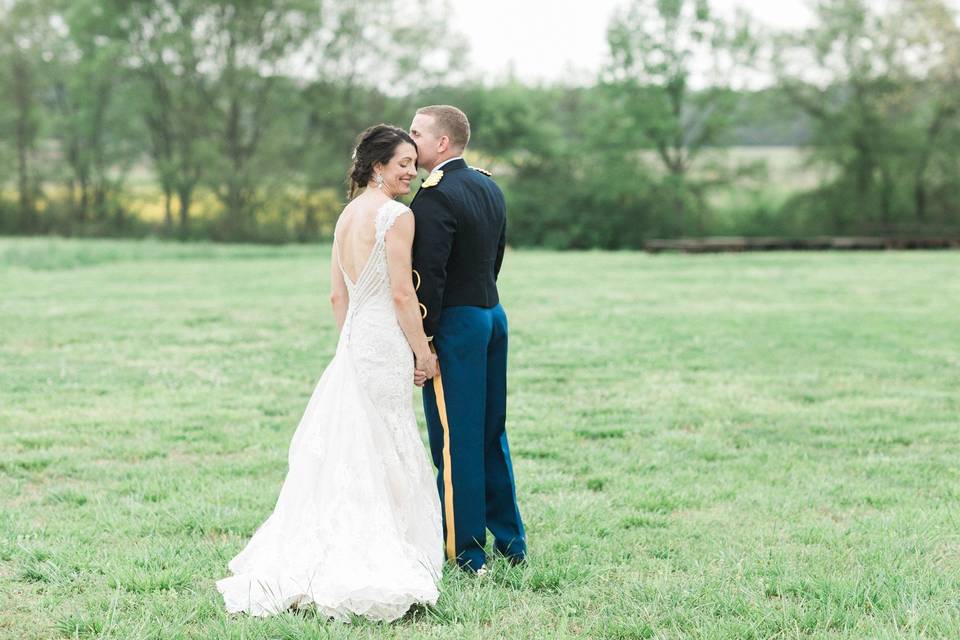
<point x="399" y="242"/>
<point x="339" y="297"/>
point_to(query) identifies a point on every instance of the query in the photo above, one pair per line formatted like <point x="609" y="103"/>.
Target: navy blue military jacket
<point x="461" y="225"/>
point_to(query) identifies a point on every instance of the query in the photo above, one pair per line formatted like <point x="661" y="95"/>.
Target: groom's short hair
<point x="450" y="122"/>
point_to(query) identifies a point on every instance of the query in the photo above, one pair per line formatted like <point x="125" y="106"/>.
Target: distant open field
<point x="721" y="446"/>
<point x="768" y="176"/>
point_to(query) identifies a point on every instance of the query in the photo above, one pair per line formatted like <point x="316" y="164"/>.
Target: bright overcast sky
<point x="546" y="40"/>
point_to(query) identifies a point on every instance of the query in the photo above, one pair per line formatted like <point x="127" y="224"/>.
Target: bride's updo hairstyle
<point x="376" y="144"/>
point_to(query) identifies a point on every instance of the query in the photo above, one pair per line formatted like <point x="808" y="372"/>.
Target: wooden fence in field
<point x="820" y="243"/>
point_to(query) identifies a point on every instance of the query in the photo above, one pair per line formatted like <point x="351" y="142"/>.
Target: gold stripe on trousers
<point x="450" y="544"/>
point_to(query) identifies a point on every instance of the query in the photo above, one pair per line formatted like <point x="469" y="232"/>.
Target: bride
<point x="356" y="529"/>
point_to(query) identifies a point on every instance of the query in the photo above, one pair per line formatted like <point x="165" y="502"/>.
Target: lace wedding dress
<point x="356" y="529"/>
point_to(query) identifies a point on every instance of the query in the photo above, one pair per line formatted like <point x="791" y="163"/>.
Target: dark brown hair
<point x="376" y="144"/>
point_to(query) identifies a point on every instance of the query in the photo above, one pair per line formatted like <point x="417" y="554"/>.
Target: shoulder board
<point x="483" y="171"/>
<point x="433" y="179"/>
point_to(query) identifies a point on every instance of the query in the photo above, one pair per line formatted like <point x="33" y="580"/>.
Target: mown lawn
<point x="733" y="446"/>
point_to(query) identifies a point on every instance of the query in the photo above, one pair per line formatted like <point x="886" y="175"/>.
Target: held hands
<point x="419" y="378"/>
<point x="425" y="368"/>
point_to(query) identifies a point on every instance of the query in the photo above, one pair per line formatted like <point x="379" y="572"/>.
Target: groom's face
<point x="430" y="145"/>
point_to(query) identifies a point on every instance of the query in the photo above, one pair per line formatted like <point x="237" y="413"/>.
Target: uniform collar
<point x="451" y="164"/>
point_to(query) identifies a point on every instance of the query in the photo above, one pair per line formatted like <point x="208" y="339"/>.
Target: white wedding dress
<point x="356" y="529"/>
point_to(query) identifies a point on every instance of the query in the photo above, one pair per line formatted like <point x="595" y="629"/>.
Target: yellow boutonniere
<point x="433" y="179"/>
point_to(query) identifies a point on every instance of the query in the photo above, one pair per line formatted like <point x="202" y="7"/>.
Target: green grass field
<point x="730" y="446"/>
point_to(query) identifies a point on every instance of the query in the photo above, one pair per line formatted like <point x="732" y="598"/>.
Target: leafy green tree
<point x="659" y="50"/>
<point x="249" y="46"/>
<point x="365" y="62"/>
<point x="22" y="33"/>
<point x="566" y="187"/>
<point x="89" y="103"/>
<point x="931" y="94"/>
<point x="880" y="84"/>
<point x="165" y="38"/>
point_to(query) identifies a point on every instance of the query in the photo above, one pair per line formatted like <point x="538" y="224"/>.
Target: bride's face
<point x="401" y="169"/>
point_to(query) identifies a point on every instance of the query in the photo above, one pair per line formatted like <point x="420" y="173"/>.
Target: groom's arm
<point x="436" y="227"/>
<point x="501" y="246"/>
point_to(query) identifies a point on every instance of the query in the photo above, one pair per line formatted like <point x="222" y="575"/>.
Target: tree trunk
<point x="235" y="208"/>
<point x="100" y="199"/>
<point x="84" y="206"/>
<point x="920" y="197"/>
<point x="886" y="200"/>
<point x="944" y="113"/>
<point x="101" y="184"/>
<point x="863" y="182"/>
<point x="167" y="211"/>
<point x="80" y="181"/>
<point x="185" y="193"/>
<point x="71" y="194"/>
<point x="24" y="140"/>
<point x="310" y="223"/>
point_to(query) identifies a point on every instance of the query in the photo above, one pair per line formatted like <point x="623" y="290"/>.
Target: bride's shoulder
<point x="389" y="213"/>
<point x="396" y="208"/>
<point x="357" y="207"/>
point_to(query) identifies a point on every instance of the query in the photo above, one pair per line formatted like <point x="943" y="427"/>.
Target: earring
<point x="379" y="181"/>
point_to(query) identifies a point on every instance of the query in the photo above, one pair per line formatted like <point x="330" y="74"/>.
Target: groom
<point x="457" y="252"/>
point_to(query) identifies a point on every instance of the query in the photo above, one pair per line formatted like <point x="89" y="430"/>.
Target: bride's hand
<point x="419" y="378"/>
<point x="427" y="364"/>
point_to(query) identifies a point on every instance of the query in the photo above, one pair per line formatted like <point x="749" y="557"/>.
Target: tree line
<point x="237" y="119"/>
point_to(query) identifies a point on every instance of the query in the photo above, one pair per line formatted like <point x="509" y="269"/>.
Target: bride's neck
<point x="373" y="190"/>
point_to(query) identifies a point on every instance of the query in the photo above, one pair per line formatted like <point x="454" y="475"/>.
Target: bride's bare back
<point x="356" y="234"/>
